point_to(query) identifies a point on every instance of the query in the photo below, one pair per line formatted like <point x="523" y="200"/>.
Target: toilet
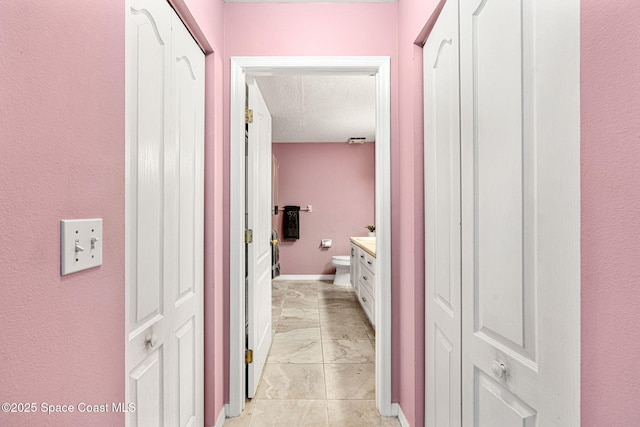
<point x="342" y="264"/>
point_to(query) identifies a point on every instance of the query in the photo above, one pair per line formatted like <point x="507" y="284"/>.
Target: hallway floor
<point x="320" y="370"/>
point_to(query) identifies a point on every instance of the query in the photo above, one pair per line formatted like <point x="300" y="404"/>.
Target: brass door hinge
<point x="248" y="115"/>
<point x="248" y="356"/>
<point x="248" y="236"/>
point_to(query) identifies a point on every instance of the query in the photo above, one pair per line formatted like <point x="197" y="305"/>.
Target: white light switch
<point x="80" y="244"/>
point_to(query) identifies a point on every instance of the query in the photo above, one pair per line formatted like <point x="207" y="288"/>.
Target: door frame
<point x="380" y="66"/>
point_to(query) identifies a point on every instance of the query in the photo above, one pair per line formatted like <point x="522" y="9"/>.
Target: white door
<point x="258" y="220"/>
<point x="164" y="218"/>
<point x="519" y="68"/>
<point x="442" y="222"/>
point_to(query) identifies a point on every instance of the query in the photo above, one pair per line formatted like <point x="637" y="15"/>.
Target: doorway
<point x="243" y="68"/>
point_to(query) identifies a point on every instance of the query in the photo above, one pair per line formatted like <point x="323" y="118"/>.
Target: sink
<point x="367" y="239"/>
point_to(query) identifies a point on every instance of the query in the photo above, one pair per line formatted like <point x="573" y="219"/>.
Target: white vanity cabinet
<point x="367" y="285"/>
<point x="363" y="275"/>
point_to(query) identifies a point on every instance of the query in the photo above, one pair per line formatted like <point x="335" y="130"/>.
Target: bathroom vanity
<point x="363" y="273"/>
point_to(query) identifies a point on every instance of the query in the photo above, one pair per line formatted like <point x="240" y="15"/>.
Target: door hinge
<point x="248" y="236"/>
<point x="248" y="115"/>
<point x="248" y="356"/>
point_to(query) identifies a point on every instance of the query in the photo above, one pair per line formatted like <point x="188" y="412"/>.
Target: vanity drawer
<point x="367" y="302"/>
<point x="367" y="281"/>
<point x="368" y="261"/>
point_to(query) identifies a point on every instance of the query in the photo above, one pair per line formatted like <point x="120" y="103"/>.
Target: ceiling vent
<point x="356" y="140"/>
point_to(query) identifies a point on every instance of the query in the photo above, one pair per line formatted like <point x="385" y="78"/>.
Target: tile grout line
<point x="324" y="371"/>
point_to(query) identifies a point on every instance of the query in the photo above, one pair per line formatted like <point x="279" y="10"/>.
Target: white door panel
<point x="516" y="171"/>
<point x="498" y="407"/>
<point x="148" y="85"/>
<point x="503" y="175"/>
<point x="164" y="218"/>
<point x="510" y="328"/>
<point x="498" y="264"/>
<point x="187" y="299"/>
<point x="150" y="28"/>
<point x="442" y="221"/>
<point x="259" y="220"/>
<point x="145" y="382"/>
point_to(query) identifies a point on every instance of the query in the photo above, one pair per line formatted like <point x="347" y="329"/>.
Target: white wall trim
<point x="396" y="411"/>
<point x="305" y="277"/>
<point x="221" y="417"/>
<point x="354" y="65"/>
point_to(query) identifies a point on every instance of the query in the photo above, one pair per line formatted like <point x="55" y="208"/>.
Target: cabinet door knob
<point x="364" y="299"/>
<point x="364" y="277"/>
<point x="151" y="340"/>
<point x="369" y="262"/>
<point x="498" y="369"/>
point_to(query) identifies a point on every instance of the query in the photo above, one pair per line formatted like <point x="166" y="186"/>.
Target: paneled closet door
<point x="442" y="222"/>
<point x="164" y="218"/>
<point x="184" y="231"/>
<point x="520" y="212"/>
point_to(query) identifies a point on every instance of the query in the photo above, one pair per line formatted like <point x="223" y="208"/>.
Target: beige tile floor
<point x="320" y="370"/>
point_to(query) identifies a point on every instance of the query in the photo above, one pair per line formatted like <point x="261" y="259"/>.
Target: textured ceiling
<point x="320" y="108"/>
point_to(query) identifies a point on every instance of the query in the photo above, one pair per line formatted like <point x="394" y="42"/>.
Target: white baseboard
<point x="396" y="410"/>
<point x="305" y="277"/>
<point x="221" y="417"/>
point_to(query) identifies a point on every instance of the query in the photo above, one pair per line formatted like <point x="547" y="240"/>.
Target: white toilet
<point x="342" y="263"/>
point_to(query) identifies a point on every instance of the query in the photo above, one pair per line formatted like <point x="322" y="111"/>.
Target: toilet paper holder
<point x="325" y="243"/>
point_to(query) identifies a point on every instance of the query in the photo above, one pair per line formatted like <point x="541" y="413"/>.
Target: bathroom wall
<point x="338" y="180"/>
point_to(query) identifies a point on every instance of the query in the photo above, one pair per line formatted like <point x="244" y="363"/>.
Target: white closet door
<point x="442" y="222"/>
<point x="184" y="238"/>
<point x="520" y="212"/>
<point x="164" y="218"/>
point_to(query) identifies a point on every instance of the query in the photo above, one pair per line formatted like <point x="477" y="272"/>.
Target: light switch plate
<point x="80" y="244"/>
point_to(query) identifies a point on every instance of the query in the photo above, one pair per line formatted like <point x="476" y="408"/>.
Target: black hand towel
<point x="291" y="223"/>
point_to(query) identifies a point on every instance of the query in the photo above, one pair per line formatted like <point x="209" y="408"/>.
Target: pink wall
<point x="610" y="162"/>
<point x="62" y="142"/>
<point x="61" y="139"/>
<point x="338" y="180"/>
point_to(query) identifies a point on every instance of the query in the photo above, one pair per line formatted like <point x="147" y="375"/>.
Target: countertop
<point x="368" y="244"/>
